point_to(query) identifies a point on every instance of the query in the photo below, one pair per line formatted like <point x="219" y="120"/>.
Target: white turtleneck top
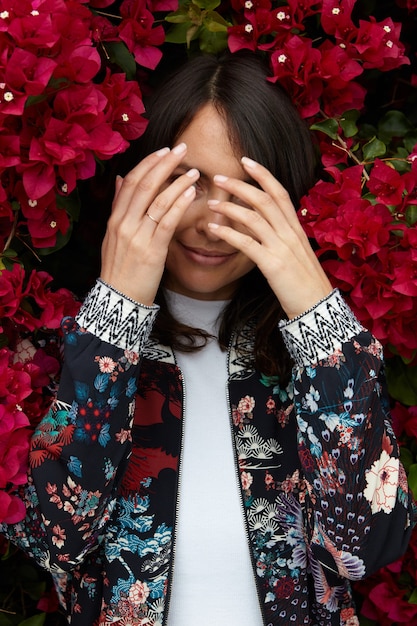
<point x="213" y="581"/>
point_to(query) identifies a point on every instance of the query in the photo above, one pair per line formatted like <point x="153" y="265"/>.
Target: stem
<point x="30" y="249"/>
<point x="116" y="17"/>
<point x="12" y="232"/>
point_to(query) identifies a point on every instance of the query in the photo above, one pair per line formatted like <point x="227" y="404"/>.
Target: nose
<point x="207" y="215"/>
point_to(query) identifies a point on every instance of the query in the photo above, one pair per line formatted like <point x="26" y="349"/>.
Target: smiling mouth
<point x="207" y="257"/>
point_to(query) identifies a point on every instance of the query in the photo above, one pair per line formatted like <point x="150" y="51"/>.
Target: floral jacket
<point x="324" y="496"/>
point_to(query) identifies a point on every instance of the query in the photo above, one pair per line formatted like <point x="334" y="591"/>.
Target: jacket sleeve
<point x="79" y="450"/>
<point x="360" y="511"/>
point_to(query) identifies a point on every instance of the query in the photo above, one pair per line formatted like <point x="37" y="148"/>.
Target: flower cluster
<point x="30" y="314"/>
<point x="364" y="224"/>
<point x="62" y="107"/>
<point x="324" y="74"/>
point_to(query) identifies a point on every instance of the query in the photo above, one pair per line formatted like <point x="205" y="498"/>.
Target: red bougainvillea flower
<point x="369" y="250"/>
<point x="386" y="183"/>
<point x="11" y="290"/>
<point x="12" y="509"/>
<point x="124" y="108"/>
<point x="336" y="18"/>
<point x="30" y="301"/>
<point x="297" y="67"/>
<point x="53" y="305"/>
<point x="386" y="602"/>
<point x="379" y="46"/>
<point x="138" y="33"/>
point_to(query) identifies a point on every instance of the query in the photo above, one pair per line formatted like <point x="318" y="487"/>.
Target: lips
<point x="207" y="257"/>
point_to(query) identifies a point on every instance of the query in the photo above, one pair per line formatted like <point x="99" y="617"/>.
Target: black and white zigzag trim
<point x="116" y="319"/>
<point x="319" y="332"/>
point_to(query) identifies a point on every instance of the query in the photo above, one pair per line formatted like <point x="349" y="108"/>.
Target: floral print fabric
<point x="317" y="463"/>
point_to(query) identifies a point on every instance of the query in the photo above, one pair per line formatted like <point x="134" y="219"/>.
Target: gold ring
<point x="152" y="218"/>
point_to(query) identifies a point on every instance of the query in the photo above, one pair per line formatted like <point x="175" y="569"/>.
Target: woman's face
<point x="199" y="264"/>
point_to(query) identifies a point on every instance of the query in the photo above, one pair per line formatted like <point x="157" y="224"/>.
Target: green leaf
<point x="35" y="620"/>
<point x="328" y="127"/>
<point x="402" y="381"/>
<point x="9" y="253"/>
<point x="120" y="55"/>
<point x="393" y="124"/>
<point x="406" y="458"/>
<point x="412" y="479"/>
<point x="348" y="122"/>
<point x="367" y="131"/>
<point x="411" y="214"/>
<point x="399" y="160"/>
<point x="178" y="17"/>
<point x="373" y="148"/>
<point x="178" y="33"/>
<point x="413" y="597"/>
<point x="215" y="23"/>
<point x="410" y="140"/>
<point x="213" y="42"/>
<point x="71" y="204"/>
<point x="208" y="5"/>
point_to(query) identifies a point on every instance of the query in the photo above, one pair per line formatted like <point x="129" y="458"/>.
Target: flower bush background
<point x="73" y="79"/>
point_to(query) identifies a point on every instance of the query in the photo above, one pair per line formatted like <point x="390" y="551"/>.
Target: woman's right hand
<point x="145" y="213"/>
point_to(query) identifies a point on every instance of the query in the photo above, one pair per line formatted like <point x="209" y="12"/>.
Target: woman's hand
<point x="145" y="213"/>
<point x="272" y="238"/>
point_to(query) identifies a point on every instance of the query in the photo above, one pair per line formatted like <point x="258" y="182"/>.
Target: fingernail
<point x="162" y="151"/>
<point x="213" y="202"/>
<point x="190" y="191"/>
<point x="248" y="162"/>
<point x="212" y="225"/>
<point x="219" y="178"/>
<point x="179" y="149"/>
<point x="193" y="173"/>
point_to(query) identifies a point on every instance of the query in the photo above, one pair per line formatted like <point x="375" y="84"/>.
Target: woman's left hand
<point x="272" y="237"/>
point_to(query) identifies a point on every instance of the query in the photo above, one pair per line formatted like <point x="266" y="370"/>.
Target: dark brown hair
<point x="263" y="125"/>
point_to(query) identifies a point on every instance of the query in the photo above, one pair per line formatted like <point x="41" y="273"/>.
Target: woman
<point x="220" y="451"/>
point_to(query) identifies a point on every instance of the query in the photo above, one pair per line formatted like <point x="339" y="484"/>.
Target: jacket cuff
<point x="319" y="332"/>
<point x="115" y="318"/>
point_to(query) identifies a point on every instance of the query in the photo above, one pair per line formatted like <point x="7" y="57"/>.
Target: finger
<point x="271" y="201"/>
<point x="242" y="241"/>
<point x="273" y="187"/>
<point x="142" y="183"/>
<point x="166" y="198"/>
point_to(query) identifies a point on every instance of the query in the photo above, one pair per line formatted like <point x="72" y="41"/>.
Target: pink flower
<point x="106" y="365"/>
<point x="59" y="536"/>
<point x="246" y="404"/>
<point x="138" y="593"/>
<point x="246" y="480"/>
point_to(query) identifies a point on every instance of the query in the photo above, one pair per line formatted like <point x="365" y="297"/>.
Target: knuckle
<point x="247" y="242"/>
<point x="268" y="202"/>
<point x="159" y="203"/>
